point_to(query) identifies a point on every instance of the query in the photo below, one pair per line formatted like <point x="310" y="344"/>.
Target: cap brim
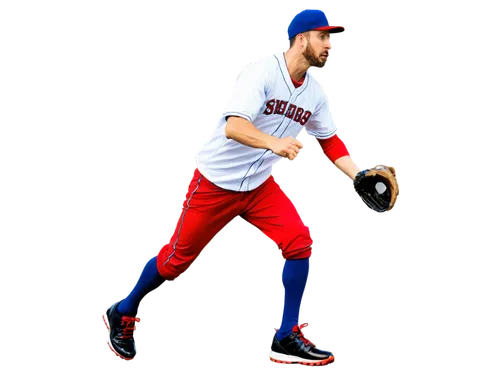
<point x="331" y="29"/>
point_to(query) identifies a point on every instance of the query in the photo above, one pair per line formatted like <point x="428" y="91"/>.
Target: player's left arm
<point x="336" y="150"/>
<point x="324" y="130"/>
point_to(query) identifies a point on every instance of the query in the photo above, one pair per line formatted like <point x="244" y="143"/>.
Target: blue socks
<point x="150" y="280"/>
<point x="295" y="274"/>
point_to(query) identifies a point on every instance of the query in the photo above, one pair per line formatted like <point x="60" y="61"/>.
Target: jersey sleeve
<point x="321" y="124"/>
<point x="249" y="95"/>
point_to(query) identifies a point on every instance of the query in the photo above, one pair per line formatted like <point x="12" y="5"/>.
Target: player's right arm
<point x="246" y="104"/>
<point x="243" y="131"/>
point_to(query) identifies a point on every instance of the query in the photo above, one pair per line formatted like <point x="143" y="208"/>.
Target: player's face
<point x="318" y="45"/>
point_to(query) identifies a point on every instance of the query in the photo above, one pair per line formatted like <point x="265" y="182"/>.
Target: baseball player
<point x="274" y="99"/>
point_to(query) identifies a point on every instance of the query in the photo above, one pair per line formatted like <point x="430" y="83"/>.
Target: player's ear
<point x="299" y="38"/>
<point x="303" y="39"/>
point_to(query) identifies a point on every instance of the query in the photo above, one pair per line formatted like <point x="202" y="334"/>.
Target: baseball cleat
<point x="121" y="332"/>
<point x="295" y="348"/>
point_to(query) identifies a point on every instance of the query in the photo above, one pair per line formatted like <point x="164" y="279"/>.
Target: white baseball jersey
<point x="265" y="96"/>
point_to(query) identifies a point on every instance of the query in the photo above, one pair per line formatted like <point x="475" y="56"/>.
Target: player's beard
<point x="311" y="58"/>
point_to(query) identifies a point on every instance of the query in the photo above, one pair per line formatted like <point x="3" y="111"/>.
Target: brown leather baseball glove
<point x="377" y="187"/>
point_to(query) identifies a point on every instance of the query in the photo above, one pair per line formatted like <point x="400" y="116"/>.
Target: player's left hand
<point x="377" y="187"/>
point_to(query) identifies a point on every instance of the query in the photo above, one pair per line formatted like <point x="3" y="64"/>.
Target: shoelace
<point x="301" y="330"/>
<point x="301" y="335"/>
<point x="129" y="323"/>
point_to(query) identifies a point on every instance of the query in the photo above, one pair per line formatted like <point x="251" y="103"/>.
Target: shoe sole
<point x="290" y="360"/>
<point x="108" y="343"/>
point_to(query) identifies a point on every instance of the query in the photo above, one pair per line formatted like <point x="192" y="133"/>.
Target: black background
<point x="154" y="77"/>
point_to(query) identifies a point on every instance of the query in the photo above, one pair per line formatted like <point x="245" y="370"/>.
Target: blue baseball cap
<point x="311" y="19"/>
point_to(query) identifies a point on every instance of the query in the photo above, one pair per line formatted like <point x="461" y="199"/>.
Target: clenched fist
<point x="287" y="147"/>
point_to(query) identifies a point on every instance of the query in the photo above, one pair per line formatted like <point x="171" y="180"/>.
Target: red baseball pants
<point x="208" y="208"/>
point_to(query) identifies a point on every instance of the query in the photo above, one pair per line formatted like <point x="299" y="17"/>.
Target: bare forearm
<point x="243" y="131"/>
<point x="346" y="165"/>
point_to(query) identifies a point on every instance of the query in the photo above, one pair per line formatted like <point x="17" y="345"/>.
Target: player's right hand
<point x="287" y="147"/>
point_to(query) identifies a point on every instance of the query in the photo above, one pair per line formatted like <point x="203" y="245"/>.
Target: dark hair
<point x="292" y="41"/>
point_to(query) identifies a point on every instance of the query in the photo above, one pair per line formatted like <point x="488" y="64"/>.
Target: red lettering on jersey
<point x="291" y="111"/>
<point x="282" y="107"/>
<point x="277" y="106"/>
<point x="270" y="107"/>
<point x="298" y="115"/>
<point x="304" y="118"/>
